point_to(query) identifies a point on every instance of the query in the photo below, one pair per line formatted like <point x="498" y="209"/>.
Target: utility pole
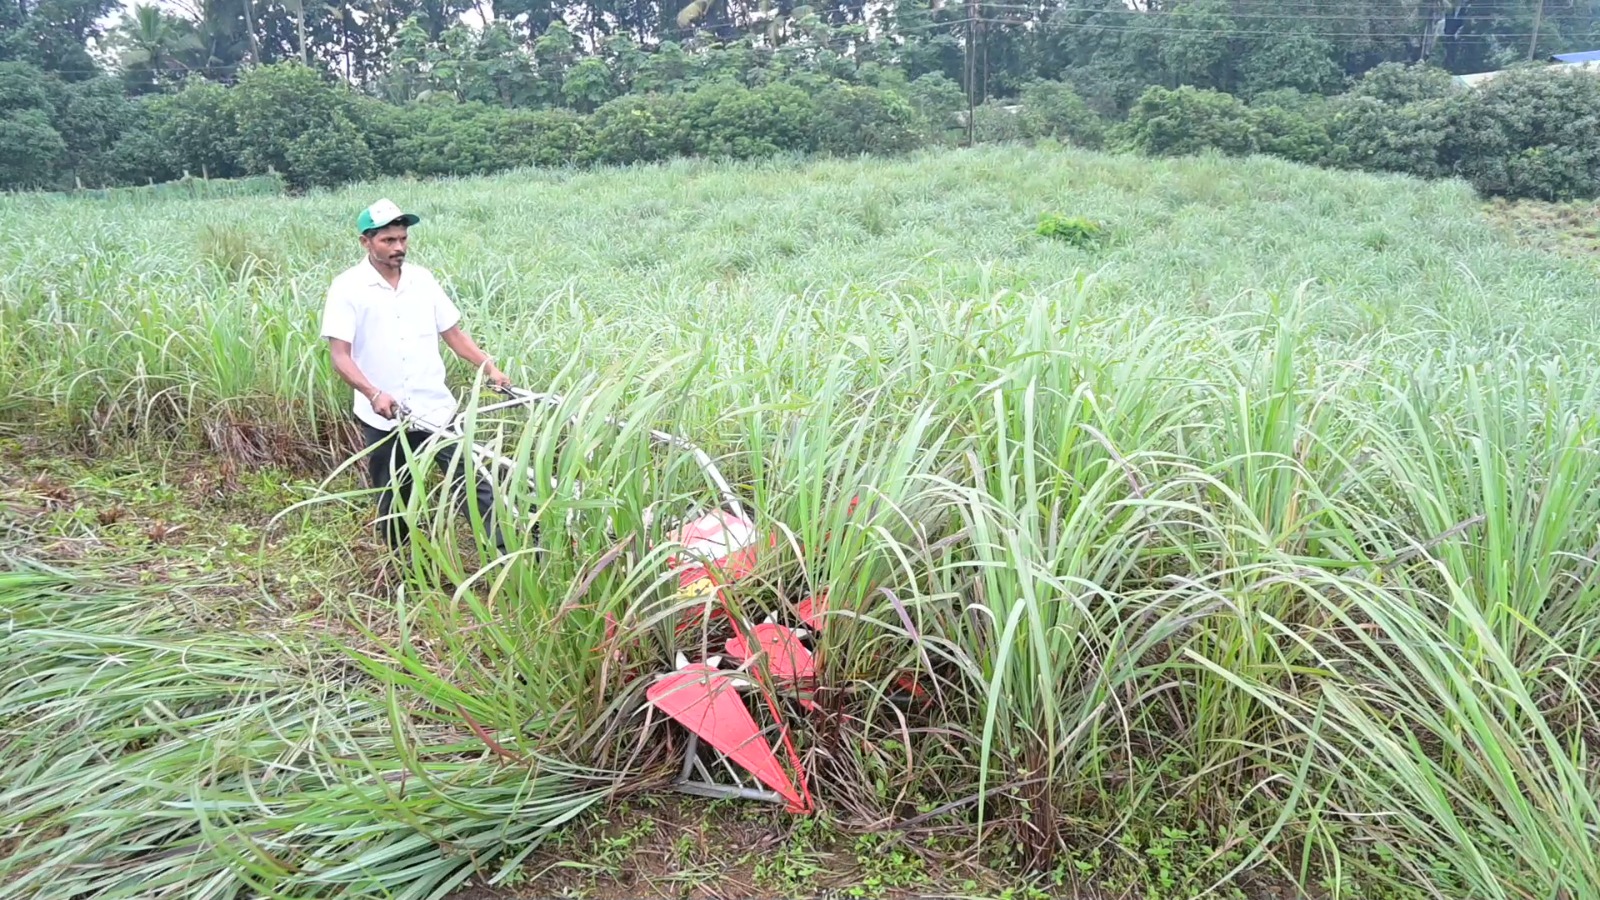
<point x="1429" y="22"/>
<point x="255" y="42"/>
<point x="972" y="57"/>
<point x="983" y="75"/>
<point x="1538" y="19"/>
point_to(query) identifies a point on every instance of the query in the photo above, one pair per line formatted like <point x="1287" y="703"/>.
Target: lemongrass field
<point x="1270" y="516"/>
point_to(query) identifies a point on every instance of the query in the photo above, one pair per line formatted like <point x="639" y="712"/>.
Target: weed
<point x="1078" y="232"/>
<point x="883" y="864"/>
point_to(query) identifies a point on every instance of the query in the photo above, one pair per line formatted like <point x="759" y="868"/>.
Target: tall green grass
<point x="1262" y="525"/>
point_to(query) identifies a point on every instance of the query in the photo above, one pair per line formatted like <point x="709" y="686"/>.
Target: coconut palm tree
<point x="156" y="49"/>
<point x="226" y="28"/>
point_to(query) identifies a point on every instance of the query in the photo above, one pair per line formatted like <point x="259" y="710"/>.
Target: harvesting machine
<point x="727" y="755"/>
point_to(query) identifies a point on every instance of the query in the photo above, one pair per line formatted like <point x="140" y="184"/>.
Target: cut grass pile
<point x="1268" y="517"/>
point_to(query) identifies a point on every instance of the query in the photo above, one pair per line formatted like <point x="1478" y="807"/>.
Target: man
<point x="383" y="320"/>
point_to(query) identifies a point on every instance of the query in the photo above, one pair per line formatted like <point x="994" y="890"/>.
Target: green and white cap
<point x="383" y="213"/>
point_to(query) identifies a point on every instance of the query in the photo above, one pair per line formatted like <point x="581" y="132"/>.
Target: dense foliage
<point x="327" y="96"/>
<point x="1531" y="132"/>
<point x="330" y="95"/>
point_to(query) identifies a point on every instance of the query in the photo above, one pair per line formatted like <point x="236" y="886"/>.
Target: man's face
<point x="387" y="248"/>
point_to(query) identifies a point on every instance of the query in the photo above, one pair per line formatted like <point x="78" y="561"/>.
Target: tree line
<point x="324" y="94"/>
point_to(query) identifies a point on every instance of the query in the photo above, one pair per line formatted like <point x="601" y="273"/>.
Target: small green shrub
<point x="996" y="122"/>
<point x="1407" y="137"/>
<point x="851" y="120"/>
<point x="1051" y="109"/>
<point x="452" y="140"/>
<point x="1401" y="83"/>
<point x="636" y="128"/>
<point x="1188" y="121"/>
<point x="940" y="100"/>
<point x="1300" y="135"/>
<point x="1078" y="232"/>
<point x="543" y="137"/>
<point x="730" y="121"/>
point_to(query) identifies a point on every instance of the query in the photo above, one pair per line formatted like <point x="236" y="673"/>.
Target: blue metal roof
<point x="1584" y="56"/>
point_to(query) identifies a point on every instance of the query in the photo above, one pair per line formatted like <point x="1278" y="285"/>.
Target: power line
<point x="1240" y="32"/>
<point x="1058" y="11"/>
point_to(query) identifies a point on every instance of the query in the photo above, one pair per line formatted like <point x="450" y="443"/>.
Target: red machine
<point x="715" y="549"/>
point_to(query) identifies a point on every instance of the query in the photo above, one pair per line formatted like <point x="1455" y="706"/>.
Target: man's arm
<point x="465" y="347"/>
<point x="339" y="327"/>
<point x="343" y="363"/>
<point x="447" y="318"/>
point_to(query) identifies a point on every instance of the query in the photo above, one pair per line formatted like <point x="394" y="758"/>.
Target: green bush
<point x="1108" y="90"/>
<point x="997" y="122"/>
<point x="329" y="156"/>
<point x="1395" y="118"/>
<point x="1300" y="134"/>
<point x="1405" y="137"/>
<point x="200" y="128"/>
<point x="1188" y="121"/>
<point x="731" y="121"/>
<point x="1305" y="63"/>
<point x="1078" y="232"/>
<point x="29" y="149"/>
<point x="544" y="137"/>
<point x="30" y="146"/>
<point x="637" y="128"/>
<point x="141" y="155"/>
<point x="92" y="116"/>
<point x="1051" y="109"/>
<point x="851" y="120"/>
<point x="452" y="139"/>
<point x="288" y="118"/>
<point x="588" y="85"/>
<point x="1401" y="83"/>
<point x="938" y="99"/>
<point x="1530" y="133"/>
<point x="1294" y="100"/>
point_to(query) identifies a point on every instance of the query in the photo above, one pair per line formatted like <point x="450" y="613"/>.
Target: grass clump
<point x="1074" y="230"/>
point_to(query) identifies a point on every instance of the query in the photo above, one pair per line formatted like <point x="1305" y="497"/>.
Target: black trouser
<point x="387" y="463"/>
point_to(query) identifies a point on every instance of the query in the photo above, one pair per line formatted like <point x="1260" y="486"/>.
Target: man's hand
<point x="493" y="375"/>
<point x="385" y="405"/>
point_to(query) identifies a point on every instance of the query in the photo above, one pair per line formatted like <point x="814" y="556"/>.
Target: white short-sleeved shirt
<point x="394" y="338"/>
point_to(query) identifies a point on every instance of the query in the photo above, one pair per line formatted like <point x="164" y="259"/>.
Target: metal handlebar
<point x="522" y="397"/>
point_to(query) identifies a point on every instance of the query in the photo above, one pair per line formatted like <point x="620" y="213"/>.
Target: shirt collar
<point x="376" y="279"/>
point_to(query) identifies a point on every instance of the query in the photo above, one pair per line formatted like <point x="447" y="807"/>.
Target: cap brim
<point x="406" y="219"/>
